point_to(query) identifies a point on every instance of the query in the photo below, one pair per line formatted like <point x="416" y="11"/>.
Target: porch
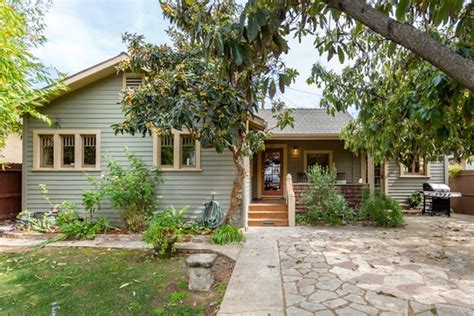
<point x="277" y="177"/>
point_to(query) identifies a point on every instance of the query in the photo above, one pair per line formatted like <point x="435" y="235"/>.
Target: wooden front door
<point x="272" y="167"/>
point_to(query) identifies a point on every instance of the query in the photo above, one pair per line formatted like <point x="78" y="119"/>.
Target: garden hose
<point x="212" y="216"/>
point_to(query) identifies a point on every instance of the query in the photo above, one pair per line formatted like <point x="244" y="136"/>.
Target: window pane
<point x="68" y="150"/>
<point x="167" y="150"/>
<point x="317" y="159"/>
<point x="47" y="151"/>
<point x="188" y="151"/>
<point x="89" y="150"/>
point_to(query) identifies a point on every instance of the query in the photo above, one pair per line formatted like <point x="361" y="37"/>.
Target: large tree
<point x="190" y="88"/>
<point x="21" y="73"/>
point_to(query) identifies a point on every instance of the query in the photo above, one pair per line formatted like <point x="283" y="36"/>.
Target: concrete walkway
<point x="255" y="287"/>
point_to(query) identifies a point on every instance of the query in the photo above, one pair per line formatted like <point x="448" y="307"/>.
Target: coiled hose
<point x="212" y="216"/>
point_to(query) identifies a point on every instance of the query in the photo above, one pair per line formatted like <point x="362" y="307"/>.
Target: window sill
<point x="414" y="176"/>
<point x="180" y="170"/>
<point x="65" y="169"/>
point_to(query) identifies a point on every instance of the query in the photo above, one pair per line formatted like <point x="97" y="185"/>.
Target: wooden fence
<point x="463" y="183"/>
<point x="10" y="191"/>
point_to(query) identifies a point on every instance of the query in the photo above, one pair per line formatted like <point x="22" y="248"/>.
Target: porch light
<point x="296" y="150"/>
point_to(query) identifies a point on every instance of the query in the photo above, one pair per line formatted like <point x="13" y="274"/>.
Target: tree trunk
<point x="236" y="194"/>
<point x="442" y="57"/>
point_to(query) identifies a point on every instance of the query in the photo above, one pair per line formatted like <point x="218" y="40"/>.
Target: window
<point x="322" y="158"/>
<point x="178" y="151"/>
<point x="188" y="151"/>
<point x="47" y="151"/>
<point x="67" y="150"/>
<point x="417" y="168"/>
<point x="89" y="150"/>
<point x="167" y="151"/>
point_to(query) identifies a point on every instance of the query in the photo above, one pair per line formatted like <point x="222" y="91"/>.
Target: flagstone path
<point x="426" y="269"/>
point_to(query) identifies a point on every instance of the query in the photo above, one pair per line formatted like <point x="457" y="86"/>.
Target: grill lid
<point x="427" y="186"/>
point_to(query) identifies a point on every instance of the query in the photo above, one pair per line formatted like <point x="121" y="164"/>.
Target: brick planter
<point x="352" y="193"/>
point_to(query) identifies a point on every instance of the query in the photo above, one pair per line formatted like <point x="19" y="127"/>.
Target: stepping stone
<point x="387" y="303"/>
<point x="450" y="310"/>
<point x="322" y="296"/>
<point x="369" y="310"/>
<point x="347" y="311"/>
<point x="335" y="303"/>
<point x="312" y="307"/>
<point x="352" y="289"/>
<point x="355" y="299"/>
<point x="330" y="285"/>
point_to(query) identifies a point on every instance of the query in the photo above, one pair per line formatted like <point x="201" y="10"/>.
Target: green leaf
<point x="402" y="8"/>
<point x="340" y="54"/>
<point x="252" y="28"/>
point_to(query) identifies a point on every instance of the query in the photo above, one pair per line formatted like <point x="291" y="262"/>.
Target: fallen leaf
<point x="124" y="285"/>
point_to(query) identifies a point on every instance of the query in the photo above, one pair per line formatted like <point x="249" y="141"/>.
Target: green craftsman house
<point x="81" y="137"/>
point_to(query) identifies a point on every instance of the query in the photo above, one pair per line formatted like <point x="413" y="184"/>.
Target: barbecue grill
<point x="437" y="198"/>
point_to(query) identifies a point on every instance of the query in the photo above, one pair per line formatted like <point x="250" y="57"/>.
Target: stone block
<point x="200" y="271"/>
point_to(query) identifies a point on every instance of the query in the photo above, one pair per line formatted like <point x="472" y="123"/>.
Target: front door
<point x="272" y="167"/>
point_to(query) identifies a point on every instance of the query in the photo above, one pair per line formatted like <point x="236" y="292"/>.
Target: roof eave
<point x="302" y="136"/>
<point x="91" y="74"/>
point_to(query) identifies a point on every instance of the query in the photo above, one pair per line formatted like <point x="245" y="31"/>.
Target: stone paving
<point x="425" y="269"/>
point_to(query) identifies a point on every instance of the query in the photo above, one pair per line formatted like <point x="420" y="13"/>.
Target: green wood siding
<point x="96" y="107"/>
<point x="400" y="188"/>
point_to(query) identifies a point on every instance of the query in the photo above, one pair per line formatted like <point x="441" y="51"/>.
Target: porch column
<point x="363" y="167"/>
<point x="246" y="191"/>
<point x="371" y="173"/>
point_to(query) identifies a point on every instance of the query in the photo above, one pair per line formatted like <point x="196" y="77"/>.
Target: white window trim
<point x="305" y="158"/>
<point x="57" y="149"/>
<point x="176" y="153"/>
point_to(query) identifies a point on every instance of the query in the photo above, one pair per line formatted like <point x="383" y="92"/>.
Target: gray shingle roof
<point x="309" y="122"/>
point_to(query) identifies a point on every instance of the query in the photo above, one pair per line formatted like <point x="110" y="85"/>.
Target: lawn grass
<point x="98" y="282"/>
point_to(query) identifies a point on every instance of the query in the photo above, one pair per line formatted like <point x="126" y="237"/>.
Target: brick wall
<point x="351" y="192"/>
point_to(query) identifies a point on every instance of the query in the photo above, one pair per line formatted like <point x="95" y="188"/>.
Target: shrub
<point x="381" y="209"/>
<point x="227" y="234"/>
<point x="78" y="229"/>
<point x="323" y="199"/>
<point x="164" y="229"/>
<point x="132" y="191"/>
<point x="415" y="199"/>
<point x="454" y="170"/>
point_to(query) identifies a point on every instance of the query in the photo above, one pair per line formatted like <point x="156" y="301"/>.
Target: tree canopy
<point x="21" y="73"/>
<point x="202" y="85"/>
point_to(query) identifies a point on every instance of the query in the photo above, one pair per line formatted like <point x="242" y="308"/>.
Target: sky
<point x="82" y="33"/>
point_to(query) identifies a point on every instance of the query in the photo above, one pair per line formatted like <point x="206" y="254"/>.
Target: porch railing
<point x="290" y="200"/>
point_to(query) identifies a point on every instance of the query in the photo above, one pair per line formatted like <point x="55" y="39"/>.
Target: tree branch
<point x="442" y="57"/>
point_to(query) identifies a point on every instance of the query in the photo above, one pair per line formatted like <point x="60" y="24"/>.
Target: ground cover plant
<point x="323" y="199"/>
<point x="227" y="234"/>
<point x="381" y="209"/>
<point x="415" y="199"/>
<point x="103" y="282"/>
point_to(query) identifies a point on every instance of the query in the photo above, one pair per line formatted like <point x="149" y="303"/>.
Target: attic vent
<point x="133" y="82"/>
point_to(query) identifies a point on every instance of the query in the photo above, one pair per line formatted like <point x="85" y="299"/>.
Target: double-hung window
<point x="177" y="151"/>
<point x="66" y="150"/>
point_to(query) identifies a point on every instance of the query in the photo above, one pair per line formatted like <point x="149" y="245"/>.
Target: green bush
<point x="381" y="209"/>
<point x="132" y="191"/>
<point x="415" y="199"/>
<point x="227" y="234"/>
<point x="454" y="170"/>
<point x="78" y="229"/>
<point x="164" y="229"/>
<point x="323" y="199"/>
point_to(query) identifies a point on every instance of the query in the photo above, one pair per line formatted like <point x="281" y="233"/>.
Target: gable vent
<point x="133" y="82"/>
